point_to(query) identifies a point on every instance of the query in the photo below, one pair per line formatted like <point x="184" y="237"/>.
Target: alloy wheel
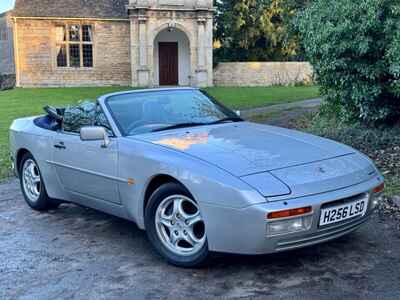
<point x="180" y="226"/>
<point x="31" y="180"/>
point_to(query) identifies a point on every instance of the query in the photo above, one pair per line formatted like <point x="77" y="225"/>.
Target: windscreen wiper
<point x="230" y="119"/>
<point x="180" y="125"/>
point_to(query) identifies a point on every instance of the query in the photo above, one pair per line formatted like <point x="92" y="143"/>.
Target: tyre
<point x="175" y="226"/>
<point x="33" y="187"/>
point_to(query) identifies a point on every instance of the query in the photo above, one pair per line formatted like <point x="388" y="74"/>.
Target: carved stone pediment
<point x="139" y="3"/>
<point x="204" y="4"/>
<point x="188" y="4"/>
<point x="171" y="2"/>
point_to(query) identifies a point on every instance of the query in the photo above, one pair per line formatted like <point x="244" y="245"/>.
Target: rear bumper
<point x="244" y="231"/>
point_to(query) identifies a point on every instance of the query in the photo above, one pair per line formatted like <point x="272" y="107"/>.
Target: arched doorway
<point x="172" y="58"/>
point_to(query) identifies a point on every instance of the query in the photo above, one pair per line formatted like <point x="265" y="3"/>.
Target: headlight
<point x="375" y="195"/>
<point x="289" y="225"/>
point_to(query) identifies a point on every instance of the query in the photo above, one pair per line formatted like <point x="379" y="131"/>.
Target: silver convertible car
<point x="193" y="174"/>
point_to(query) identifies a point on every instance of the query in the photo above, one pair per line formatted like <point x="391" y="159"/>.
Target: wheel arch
<point x="157" y="181"/>
<point x="18" y="159"/>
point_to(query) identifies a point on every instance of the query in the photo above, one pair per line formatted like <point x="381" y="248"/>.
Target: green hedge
<point x="354" y="47"/>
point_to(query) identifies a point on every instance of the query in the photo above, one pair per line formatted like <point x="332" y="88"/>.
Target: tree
<point x="250" y="30"/>
<point x="354" y="48"/>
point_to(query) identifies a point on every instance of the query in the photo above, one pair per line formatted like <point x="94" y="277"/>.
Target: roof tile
<point x="71" y="8"/>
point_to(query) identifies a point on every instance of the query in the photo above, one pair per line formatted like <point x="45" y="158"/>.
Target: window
<point x="74" y="45"/>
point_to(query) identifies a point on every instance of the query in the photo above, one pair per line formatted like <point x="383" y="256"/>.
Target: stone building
<point x="142" y="43"/>
<point x="6" y="45"/>
<point x="7" y="68"/>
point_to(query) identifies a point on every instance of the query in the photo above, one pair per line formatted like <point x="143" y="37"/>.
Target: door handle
<point x="60" y="146"/>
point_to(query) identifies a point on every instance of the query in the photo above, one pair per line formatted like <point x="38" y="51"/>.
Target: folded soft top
<point x="72" y="118"/>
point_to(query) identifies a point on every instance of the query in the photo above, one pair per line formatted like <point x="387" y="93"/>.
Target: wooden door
<point x="168" y="63"/>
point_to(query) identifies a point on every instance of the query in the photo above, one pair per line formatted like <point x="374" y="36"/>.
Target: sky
<point x="6" y="5"/>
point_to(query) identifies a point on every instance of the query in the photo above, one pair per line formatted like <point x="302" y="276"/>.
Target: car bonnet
<point x="246" y="148"/>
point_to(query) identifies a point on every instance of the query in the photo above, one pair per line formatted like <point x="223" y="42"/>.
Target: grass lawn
<point x="250" y="97"/>
<point x="19" y="103"/>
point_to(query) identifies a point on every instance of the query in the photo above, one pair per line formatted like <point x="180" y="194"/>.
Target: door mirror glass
<point x="95" y="133"/>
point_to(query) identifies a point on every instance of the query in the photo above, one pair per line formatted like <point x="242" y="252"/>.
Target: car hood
<point x="246" y="148"/>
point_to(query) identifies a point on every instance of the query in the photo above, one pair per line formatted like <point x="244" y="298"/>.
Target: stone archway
<point x="186" y="34"/>
<point x="171" y="58"/>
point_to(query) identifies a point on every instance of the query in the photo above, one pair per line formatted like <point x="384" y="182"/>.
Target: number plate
<point x="343" y="212"/>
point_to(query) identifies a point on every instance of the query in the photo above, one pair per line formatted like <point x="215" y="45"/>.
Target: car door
<point x="85" y="168"/>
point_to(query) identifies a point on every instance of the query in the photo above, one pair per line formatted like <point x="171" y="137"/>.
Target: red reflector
<point x="379" y="188"/>
<point x="289" y="212"/>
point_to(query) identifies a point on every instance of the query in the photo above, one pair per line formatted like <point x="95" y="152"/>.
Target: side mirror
<point x="95" y="133"/>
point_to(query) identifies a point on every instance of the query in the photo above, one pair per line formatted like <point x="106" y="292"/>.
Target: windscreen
<point x="143" y="112"/>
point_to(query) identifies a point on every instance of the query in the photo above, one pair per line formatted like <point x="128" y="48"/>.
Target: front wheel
<point x="32" y="185"/>
<point x="176" y="227"/>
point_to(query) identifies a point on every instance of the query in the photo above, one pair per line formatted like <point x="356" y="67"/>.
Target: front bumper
<point x="243" y="231"/>
<point x="321" y="235"/>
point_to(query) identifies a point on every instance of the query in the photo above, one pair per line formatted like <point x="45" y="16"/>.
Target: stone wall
<point x="37" y="55"/>
<point x="262" y="73"/>
<point x="6" y="45"/>
<point x="7" y="81"/>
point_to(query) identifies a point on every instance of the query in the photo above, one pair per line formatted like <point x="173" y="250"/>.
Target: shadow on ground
<point x="78" y="253"/>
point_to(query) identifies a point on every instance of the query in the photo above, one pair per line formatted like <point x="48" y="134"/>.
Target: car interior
<point x="72" y="118"/>
<point x="134" y="115"/>
<point x="58" y="118"/>
<point x="52" y="120"/>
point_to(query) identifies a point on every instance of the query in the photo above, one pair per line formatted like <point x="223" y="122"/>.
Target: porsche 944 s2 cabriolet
<point x="193" y="174"/>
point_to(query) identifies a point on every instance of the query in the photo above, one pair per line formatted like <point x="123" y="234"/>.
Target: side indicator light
<point x="131" y="181"/>
<point x="289" y="212"/>
<point x="379" y="188"/>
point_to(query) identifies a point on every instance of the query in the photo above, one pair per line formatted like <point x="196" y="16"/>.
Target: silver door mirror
<point x="95" y="133"/>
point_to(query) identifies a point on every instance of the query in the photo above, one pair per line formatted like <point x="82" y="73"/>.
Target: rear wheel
<point x="176" y="227"/>
<point x="32" y="185"/>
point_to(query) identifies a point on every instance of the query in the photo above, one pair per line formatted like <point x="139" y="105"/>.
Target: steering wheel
<point x="134" y="125"/>
<point x="52" y="112"/>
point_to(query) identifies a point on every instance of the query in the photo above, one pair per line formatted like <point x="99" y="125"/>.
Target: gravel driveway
<point x="78" y="253"/>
